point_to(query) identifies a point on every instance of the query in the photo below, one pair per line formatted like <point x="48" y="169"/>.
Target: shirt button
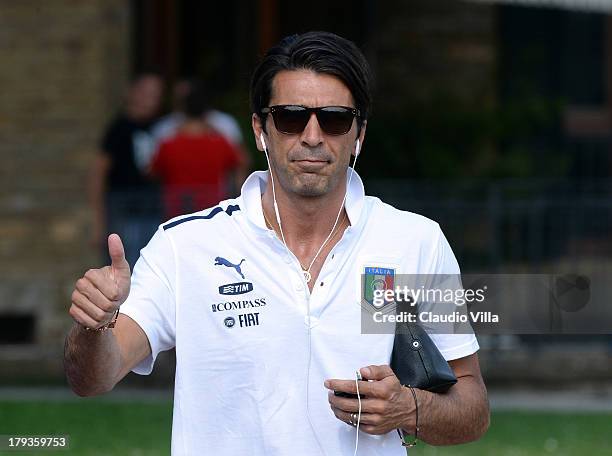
<point x="299" y="286"/>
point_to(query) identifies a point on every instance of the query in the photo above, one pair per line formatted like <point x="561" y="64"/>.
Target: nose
<point x="312" y="135"/>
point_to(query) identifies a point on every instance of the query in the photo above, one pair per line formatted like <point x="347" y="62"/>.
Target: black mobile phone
<point x="349" y="395"/>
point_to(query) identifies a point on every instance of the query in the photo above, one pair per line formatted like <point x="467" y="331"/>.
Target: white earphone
<point x="278" y="220"/>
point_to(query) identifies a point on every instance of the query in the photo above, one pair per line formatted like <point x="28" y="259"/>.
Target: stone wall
<point x="64" y="66"/>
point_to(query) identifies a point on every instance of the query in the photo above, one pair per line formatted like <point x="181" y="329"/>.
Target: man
<point x="194" y="164"/>
<point x="167" y="127"/>
<point x="259" y="294"/>
<point x="121" y="196"/>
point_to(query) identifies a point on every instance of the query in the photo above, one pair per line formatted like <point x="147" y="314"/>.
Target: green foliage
<point x="450" y="138"/>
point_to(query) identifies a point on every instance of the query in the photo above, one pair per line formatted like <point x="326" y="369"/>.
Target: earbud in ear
<point x="263" y="142"/>
<point x="357" y="147"/>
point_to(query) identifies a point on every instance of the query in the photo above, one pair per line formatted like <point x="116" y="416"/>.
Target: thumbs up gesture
<point x="100" y="292"/>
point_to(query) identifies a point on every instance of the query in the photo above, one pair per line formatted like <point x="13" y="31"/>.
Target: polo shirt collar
<point x="256" y="183"/>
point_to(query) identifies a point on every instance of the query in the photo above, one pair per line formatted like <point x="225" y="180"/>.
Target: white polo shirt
<point x="221" y="288"/>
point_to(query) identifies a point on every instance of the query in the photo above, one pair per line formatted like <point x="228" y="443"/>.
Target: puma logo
<point x="220" y="261"/>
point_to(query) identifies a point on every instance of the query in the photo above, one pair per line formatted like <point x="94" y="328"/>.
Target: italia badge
<point x="377" y="279"/>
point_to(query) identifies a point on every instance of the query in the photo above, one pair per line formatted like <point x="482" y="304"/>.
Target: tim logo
<point x="220" y="261"/>
<point x="250" y="319"/>
<point x="236" y="288"/>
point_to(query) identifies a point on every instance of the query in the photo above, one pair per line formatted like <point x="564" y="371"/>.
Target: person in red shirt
<point x="194" y="166"/>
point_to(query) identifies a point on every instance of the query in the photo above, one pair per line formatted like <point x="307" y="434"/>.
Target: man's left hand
<point x="385" y="404"/>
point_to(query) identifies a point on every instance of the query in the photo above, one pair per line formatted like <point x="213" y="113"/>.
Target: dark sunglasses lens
<point x="335" y="120"/>
<point x="290" y="119"/>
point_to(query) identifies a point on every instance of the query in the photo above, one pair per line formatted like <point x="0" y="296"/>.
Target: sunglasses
<point x="292" y="119"/>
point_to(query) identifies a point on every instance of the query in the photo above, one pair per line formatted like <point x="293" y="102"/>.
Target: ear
<point x="257" y="130"/>
<point x="361" y="137"/>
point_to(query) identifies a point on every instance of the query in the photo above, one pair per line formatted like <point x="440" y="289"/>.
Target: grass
<point x="95" y="427"/>
<point x="98" y="427"/>
<point x="536" y="434"/>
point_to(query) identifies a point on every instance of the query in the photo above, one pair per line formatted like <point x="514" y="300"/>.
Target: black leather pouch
<point x="417" y="361"/>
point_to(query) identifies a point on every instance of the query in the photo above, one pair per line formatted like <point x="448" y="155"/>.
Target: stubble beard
<point x="307" y="185"/>
<point x="310" y="185"/>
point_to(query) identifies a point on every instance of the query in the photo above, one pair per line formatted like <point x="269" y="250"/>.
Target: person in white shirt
<point x="260" y="295"/>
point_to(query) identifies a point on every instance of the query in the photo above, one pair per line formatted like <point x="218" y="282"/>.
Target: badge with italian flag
<point x="377" y="278"/>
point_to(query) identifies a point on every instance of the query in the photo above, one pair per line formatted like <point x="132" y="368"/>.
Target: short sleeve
<point x="151" y="302"/>
<point x="452" y="346"/>
<point x="226" y="125"/>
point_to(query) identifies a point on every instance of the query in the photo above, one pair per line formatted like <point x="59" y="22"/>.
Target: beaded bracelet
<point x="416" y="423"/>
<point x="109" y="325"/>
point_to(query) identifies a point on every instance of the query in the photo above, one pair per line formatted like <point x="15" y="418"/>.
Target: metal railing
<point x="531" y="223"/>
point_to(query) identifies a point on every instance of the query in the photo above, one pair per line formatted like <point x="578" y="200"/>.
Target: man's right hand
<point x="100" y="292"/>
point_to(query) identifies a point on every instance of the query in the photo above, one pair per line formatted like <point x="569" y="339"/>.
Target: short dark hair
<point x="196" y="101"/>
<point x="321" y="52"/>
